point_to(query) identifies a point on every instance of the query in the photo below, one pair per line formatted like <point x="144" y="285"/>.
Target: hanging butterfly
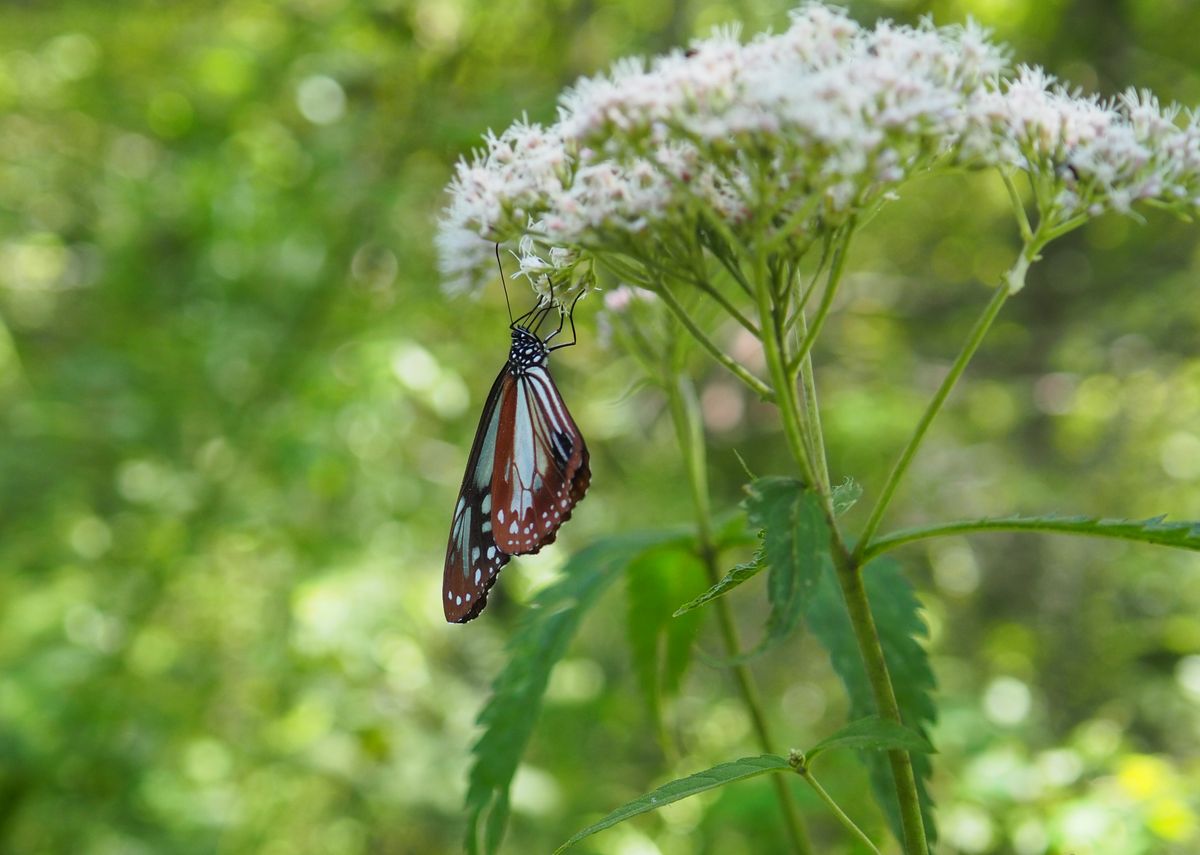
<point x="527" y="470"/>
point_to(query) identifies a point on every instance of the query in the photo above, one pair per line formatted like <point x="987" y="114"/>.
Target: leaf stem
<point x="1177" y="535"/>
<point x="804" y="772"/>
<point x="685" y="413"/>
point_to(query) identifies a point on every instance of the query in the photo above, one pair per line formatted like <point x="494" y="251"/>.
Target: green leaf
<point x="1181" y="535"/>
<point x="872" y="734"/>
<point x="795" y="549"/>
<point x="539" y="642"/>
<point x="900" y="625"/>
<point x="739" y="574"/>
<point x="846" y="495"/>
<point x="661" y="647"/>
<point x="717" y="776"/>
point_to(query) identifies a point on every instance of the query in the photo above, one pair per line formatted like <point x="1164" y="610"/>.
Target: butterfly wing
<point x="541" y="468"/>
<point x="473" y="557"/>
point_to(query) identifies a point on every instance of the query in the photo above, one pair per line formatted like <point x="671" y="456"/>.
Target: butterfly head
<point x="527" y="350"/>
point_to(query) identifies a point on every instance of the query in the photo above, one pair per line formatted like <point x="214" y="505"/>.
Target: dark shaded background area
<point x="235" y="407"/>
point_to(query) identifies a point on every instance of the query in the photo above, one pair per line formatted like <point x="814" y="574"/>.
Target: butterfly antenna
<point x="507" y="304"/>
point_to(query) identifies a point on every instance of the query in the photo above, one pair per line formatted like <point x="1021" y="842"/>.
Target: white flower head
<point x="495" y="194"/>
<point x="1085" y="155"/>
<point x="549" y="269"/>
<point x="776" y="138"/>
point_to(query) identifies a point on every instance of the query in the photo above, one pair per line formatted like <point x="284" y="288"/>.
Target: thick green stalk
<point x="685" y="413"/>
<point x="849" y="578"/>
<point x="858" y="608"/>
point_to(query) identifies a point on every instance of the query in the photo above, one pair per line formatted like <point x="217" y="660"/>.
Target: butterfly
<point x="527" y="470"/>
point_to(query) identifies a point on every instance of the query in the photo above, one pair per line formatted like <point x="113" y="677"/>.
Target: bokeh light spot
<point x="1007" y="701"/>
<point x="321" y="99"/>
<point x="1179" y="456"/>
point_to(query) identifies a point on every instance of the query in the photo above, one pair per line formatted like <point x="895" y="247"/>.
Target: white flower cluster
<point x="493" y="195"/>
<point x="787" y="134"/>
<point x="1088" y="156"/>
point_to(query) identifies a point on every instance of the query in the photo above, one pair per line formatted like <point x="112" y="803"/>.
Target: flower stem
<point x="816" y="433"/>
<point x="759" y="387"/>
<point x="982" y="325"/>
<point x="785" y="391"/>
<point x="1014" y="197"/>
<point x="685" y="413"/>
<point x="831" y="285"/>
<point x="849" y="577"/>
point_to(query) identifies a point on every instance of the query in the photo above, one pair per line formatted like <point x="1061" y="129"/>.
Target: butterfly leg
<point x="571" y="317"/>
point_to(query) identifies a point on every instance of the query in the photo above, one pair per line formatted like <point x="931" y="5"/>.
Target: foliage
<point x="718" y="776"/>
<point x="871" y="734"/>
<point x="509" y="717"/>
<point x="235" y="409"/>
<point x="901" y="630"/>
<point x="661" y="648"/>
<point x="795" y="549"/>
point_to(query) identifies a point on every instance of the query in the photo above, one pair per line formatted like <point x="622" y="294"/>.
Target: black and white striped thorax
<point x="527" y="351"/>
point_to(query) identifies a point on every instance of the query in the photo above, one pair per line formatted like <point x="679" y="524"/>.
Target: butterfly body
<point x="527" y="469"/>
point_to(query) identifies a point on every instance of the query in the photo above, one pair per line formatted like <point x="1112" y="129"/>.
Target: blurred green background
<point x="235" y="409"/>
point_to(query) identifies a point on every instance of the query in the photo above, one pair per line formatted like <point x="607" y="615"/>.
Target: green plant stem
<point x="982" y="325"/>
<point x="849" y="565"/>
<point x="708" y="288"/>
<point x="816" y="433"/>
<point x="685" y="413"/>
<point x="831" y="286"/>
<point x="1014" y="197"/>
<point x="849" y="578"/>
<point x="845" y="820"/>
<point x="870" y="649"/>
<point x="1044" y="525"/>
<point x="695" y="277"/>
<point x="760" y="388"/>
<point x="785" y="391"/>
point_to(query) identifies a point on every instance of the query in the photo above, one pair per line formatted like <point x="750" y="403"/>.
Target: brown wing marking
<point x="541" y="467"/>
